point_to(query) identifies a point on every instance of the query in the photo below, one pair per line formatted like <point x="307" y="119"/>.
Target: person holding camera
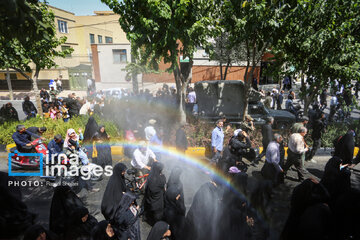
<point x="239" y="145"/>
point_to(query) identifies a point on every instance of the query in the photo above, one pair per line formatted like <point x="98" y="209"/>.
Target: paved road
<point x="38" y="198"/>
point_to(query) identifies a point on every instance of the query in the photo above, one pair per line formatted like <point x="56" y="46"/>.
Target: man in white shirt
<point x="296" y="147"/>
<point x="272" y="169"/>
<point x="86" y="108"/>
<point x="142" y="156"/>
<point x="89" y="85"/>
<point x="59" y="83"/>
<point x="191" y="99"/>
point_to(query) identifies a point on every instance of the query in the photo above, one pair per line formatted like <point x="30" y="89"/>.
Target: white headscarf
<point x="67" y="138"/>
<point x="149" y="132"/>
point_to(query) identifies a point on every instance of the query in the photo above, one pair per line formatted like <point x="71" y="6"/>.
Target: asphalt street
<point x="38" y="198"/>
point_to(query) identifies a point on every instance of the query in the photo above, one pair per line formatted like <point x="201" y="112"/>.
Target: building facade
<point x="109" y="62"/>
<point x="81" y="32"/>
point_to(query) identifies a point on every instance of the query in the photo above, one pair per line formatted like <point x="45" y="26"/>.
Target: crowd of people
<point x="318" y="209"/>
<point x="64" y="108"/>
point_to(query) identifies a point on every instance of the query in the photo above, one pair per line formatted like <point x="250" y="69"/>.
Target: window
<point x="63" y="48"/>
<point x="255" y="109"/>
<point x="12" y="76"/>
<point x="108" y="40"/>
<point x="92" y="38"/>
<point x="99" y="39"/>
<point x="119" y="55"/>
<point x="62" y="26"/>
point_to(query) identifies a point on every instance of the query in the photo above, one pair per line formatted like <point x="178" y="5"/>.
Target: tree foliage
<point x="41" y="51"/>
<point x="165" y="29"/>
<point x="321" y="41"/>
<point x="24" y="20"/>
<point x="225" y="52"/>
<point x="256" y="25"/>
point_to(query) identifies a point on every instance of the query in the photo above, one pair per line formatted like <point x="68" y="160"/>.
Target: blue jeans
<point x="83" y="157"/>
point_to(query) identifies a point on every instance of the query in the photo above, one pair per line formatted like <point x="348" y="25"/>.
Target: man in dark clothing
<point x="323" y="101"/>
<point x="9" y="113"/>
<point x="356" y="89"/>
<point x="181" y="140"/>
<point x="55" y="146"/>
<point x="29" y="108"/>
<point x="314" y="114"/>
<point x="267" y="136"/>
<point x="22" y="139"/>
<point x="45" y="107"/>
<point x="318" y="130"/>
<point x="44" y="95"/>
<point x="280" y="100"/>
<point x="239" y="146"/>
<point x="73" y="106"/>
<point x="255" y="84"/>
<point x="37" y="130"/>
<point x="344" y="147"/>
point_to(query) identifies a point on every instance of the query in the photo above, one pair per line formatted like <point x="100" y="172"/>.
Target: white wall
<point x="111" y="73"/>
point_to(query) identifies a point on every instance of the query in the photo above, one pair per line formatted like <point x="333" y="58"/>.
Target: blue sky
<point x="80" y="7"/>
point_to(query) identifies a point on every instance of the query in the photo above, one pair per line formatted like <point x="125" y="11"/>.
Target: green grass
<point x="56" y="127"/>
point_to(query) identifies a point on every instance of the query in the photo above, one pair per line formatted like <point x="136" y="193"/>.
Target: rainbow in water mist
<point x="201" y="164"/>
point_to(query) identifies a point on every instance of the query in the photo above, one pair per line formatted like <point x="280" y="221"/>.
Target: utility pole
<point x="8" y="80"/>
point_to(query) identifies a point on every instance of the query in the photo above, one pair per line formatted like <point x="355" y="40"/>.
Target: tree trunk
<point x="134" y="79"/>
<point x="303" y="88"/>
<point x="226" y="68"/>
<point x="179" y="92"/>
<point x="182" y="80"/>
<point x="221" y="72"/>
<point x="8" y="80"/>
<point x="309" y="100"/>
<point x="135" y="83"/>
<point x="37" y="93"/>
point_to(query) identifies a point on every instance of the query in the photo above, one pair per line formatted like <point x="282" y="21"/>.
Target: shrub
<point x="55" y="127"/>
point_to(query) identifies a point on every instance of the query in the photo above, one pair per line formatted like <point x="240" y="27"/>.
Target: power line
<point x="94" y="24"/>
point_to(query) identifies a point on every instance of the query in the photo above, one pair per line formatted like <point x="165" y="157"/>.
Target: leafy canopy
<point x="163" y="29"/>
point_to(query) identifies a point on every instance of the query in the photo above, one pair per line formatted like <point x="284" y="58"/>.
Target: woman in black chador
<point x="336" y="178"/>
<point x="160" y="231"/>
<point x="14" y="215"/>
<point x="310" y="216"/>
<point x="63" y="203"/>
<point x="174" y="212"/>
<point x="126" y="223"/>
<point x="103" y="148"/>
<point x="114" y="191"/>
<point x="103" y="231"/>
<point x="154" y="194"/>
<point x="80" y="224"/>
<point x="202" y="220"/>
<point x="90" y="129"/>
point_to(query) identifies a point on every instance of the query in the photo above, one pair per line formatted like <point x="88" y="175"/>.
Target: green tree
<point x="165" y="29"/>
<point x="20" y="55"/>
<point x="225" y="52"/>
<point x="255" y="25"/>
<point x="321" y="42"/>
<point x="20" y="19"/>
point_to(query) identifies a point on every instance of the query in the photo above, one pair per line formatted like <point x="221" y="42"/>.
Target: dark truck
<point x="224" y="98"/>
